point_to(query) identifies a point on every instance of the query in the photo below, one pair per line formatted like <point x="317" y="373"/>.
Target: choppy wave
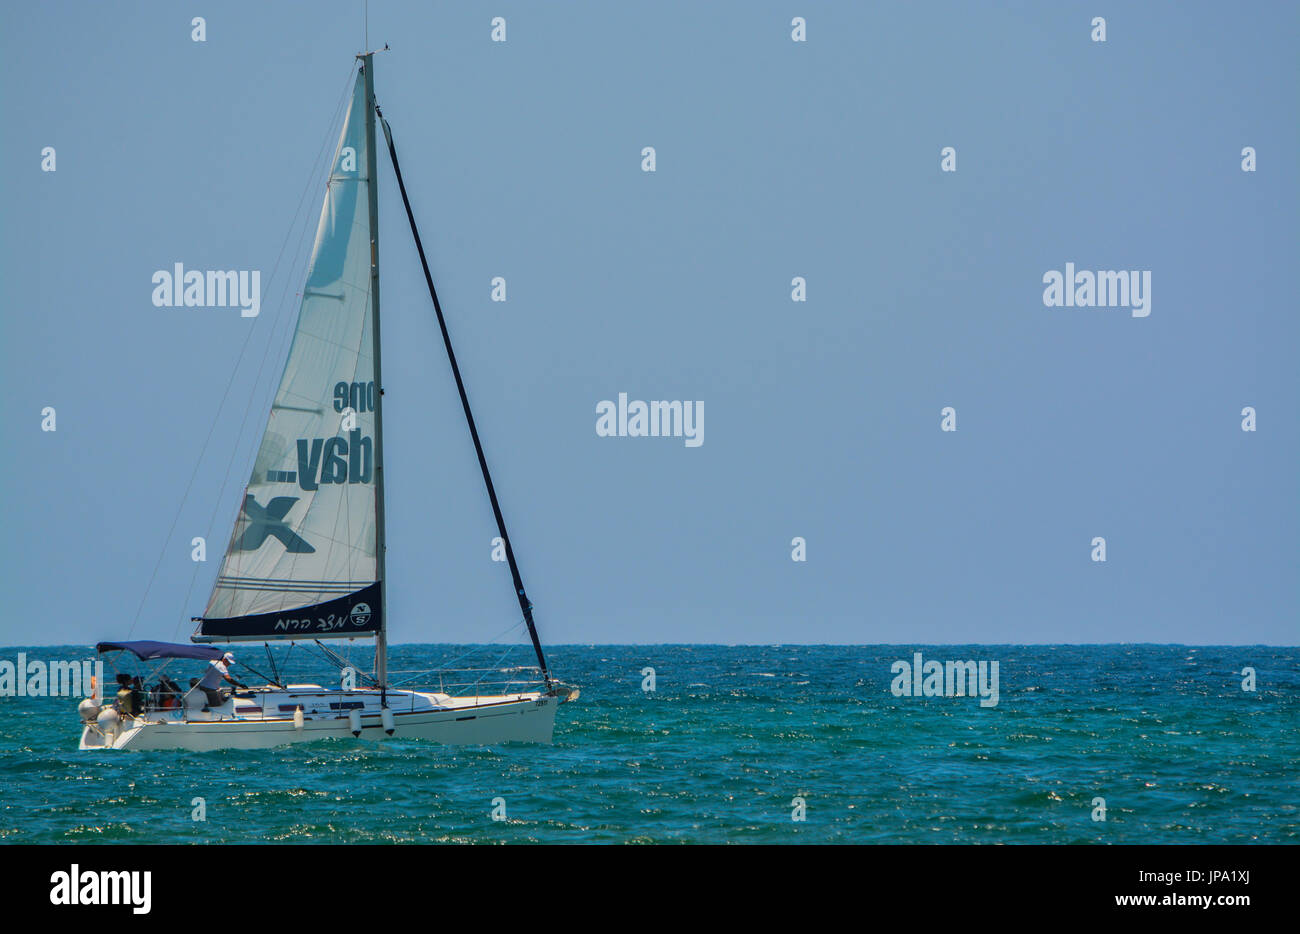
<point x="720" y="751"/>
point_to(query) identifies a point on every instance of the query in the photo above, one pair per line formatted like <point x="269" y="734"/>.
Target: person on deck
<point x="138" y="695"/>
<point x="125" y="696"/>
<point x="210" y="684"/>
<point x="169" y="693"/>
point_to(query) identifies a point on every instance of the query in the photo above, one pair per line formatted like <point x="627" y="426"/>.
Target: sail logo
<point x="77" y="887"/>
<point x="637" y="419"/>
<point x="338" y="459"/>
<point x="933" y="678"/>
<point x="332" y="460"/>
<point x="1101" y="289"/>
<point x="360" y="614"/>
<point x="268" y="522"/>
<point x="212" y="288"/>
<point x="332" y="623"/>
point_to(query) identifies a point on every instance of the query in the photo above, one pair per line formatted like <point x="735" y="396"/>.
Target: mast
<point x="381" y="637"/>
<point x="524" y="603"/>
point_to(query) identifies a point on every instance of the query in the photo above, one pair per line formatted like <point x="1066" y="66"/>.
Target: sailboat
<point x="305" y="561"/>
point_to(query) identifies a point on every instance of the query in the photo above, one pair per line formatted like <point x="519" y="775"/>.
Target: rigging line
<point x="318" y="167"/>
<point x="344" y="514"/>
<point x="318" y="162"/>
<point x="486" y="672"/>
<point x="524" y="603"/>
<point x="352" y="557"/>
<point x="220" y="496"/>
<point x="323" y="655"/>
<point x="289" y="336"/>
<point x="271" y="660"/>
<point x="225" y="396"/>
<point x="343" y="662"/>
<point x="286" y="324"/>
<point x="470" y="651"/>
<point x="332" y="538"/>
<point x="259" y="674"/>
<point x="180" y="506"/>
<point x="217" y="419"/>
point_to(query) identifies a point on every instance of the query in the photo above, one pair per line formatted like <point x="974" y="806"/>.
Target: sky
<point x="774" y="159"/>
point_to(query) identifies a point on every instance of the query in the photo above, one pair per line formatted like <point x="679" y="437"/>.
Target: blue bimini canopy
<point x="151" y="650"/>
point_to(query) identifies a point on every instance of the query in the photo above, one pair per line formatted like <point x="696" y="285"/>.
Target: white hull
<point x="266" y="719"/>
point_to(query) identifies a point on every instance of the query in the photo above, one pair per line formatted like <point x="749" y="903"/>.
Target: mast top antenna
<point x="366" y="45"/>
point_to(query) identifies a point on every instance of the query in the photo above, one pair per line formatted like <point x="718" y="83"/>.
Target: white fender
<point x="109" y="724"/>
<point x="297" y="718"/>
<point x="386" y="716"/>
<point x="354" y="721"/>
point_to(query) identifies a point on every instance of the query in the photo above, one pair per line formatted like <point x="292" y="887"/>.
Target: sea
<point x="782" y="744"/>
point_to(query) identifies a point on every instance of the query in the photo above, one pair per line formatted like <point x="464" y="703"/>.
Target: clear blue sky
<point x="775" y="159"/>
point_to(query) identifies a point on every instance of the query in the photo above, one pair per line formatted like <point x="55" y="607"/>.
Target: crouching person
<point x="210" y="683"/>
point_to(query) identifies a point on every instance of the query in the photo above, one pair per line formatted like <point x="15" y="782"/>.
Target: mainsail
<point x="302" y="559"/>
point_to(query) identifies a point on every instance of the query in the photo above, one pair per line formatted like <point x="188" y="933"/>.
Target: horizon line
<point x="740" y="645"/>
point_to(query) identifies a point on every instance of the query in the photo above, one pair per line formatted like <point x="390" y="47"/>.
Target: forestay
<point x="302" y="557"/>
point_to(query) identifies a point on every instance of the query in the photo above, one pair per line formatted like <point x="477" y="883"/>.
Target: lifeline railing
<point x="462" y="688"/>
<point x="458" y="683"/>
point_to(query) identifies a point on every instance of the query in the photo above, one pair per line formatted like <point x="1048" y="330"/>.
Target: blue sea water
<point x="720" y="749"/>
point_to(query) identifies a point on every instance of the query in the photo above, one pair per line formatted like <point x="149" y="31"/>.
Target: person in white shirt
<point x="210" y="683"/>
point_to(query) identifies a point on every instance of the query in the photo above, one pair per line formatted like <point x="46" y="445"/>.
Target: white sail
<point x="305" y="537"/>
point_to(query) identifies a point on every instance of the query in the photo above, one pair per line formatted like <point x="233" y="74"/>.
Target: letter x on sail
<point x="270" y="521"/>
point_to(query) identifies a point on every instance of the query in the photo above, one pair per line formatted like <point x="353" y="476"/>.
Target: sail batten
<point x="303" y="556"/>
